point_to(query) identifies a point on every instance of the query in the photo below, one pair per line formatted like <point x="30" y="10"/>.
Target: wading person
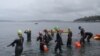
<point x="88" y="35"/>
<point x="52" y="33"/>
<point x="69" y="39"/>
<point x="47" y="37"/>
<point x="18" y="43"/>
<point x="41" y="39"/>
<point x="58" y="42"/>
<point x="28" y="32"/>
<point x="82" y="33"/>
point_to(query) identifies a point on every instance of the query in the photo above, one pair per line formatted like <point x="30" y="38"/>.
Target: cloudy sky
<point x="48" y="9"/>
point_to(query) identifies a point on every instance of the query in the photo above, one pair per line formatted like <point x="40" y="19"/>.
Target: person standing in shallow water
<point x="52" y="33"/>
<point x="69" y="39"/>
<point x="28" y="32"/>
<point x="47" y="37"/>
<point x="59" y="42"/>
<point x="41" y="39"/>
<point x="18" y="43"/>
<point x="82" y="32"/>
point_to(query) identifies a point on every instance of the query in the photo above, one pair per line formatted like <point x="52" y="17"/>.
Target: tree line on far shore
<point x="88" y="19"/>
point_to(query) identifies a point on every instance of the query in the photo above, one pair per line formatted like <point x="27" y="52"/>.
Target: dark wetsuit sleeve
<point x="13" y="43"/>
<point x="50" y="38"/>
<point x="25" y="32"/>
<point x="38" y="38"/>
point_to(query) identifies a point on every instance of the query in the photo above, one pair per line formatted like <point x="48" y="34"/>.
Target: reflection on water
<point x="81" y="51"/>
<point x="69" y="51"/>
<point x="58" y="54"/>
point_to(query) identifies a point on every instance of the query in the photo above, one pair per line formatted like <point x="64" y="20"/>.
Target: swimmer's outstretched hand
<point x="8" y="45"/>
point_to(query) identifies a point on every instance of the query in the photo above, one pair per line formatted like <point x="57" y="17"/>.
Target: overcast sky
<point x="48" y="9"/>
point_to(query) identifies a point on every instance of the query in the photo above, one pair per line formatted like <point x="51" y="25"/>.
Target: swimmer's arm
<point x="25" y="32"/>
<point x="38" y="38"/>
<point x="56" y="39"/>
<point x="12" y="44"/>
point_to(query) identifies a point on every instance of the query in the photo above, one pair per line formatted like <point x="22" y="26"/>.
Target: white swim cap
<point x="19" y="32"/>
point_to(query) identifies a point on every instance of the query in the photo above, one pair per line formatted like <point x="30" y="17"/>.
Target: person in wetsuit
<point x="69" y="39"/>
<point x="82" y="32"/>
<point x="28" y="32"/>
<point x="41" y="39"/>
<point x="52" y="33"/>
<point x="47" y="37"/>
<point x="59" y="42"/>
<point x="88" y="35"/>
<point x="19" y="44"/>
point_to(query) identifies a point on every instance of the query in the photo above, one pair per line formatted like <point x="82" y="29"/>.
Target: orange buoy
<point x="77" y="44"/>
<point x="97" y="38"/>
<point x="98" y="35"/>
<point x="45" y="48"/>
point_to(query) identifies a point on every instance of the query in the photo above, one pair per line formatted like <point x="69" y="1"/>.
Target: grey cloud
<point x="48" y="9"/>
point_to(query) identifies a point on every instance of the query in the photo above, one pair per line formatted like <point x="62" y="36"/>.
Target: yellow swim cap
<point x="19" y="32"/>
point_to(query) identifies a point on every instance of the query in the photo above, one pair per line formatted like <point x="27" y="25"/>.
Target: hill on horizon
<point x="88" y="19"/>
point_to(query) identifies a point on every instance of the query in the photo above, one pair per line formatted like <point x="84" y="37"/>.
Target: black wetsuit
<point x="41" y="39"/>
<point x="82" y="32"/>
<point x="28" y="35"/>
<point x="88" y="35"/>
<point x="69" y="39"/>
<point x="19" y="46"/>
<point x="47" y="39"/>
<point x="59" y="43"/>
<point x="50" y="38"/>
<point x="52" y="33"/>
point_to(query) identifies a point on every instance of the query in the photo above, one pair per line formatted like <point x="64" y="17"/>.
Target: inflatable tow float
<point x="45" y="48"/>
<point x="77" y="44"/>
<point x="97" y="37"/>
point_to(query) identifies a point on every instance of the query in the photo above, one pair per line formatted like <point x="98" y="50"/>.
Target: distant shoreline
<point x="34" y="21"/>
<point x="88" y="19"/>
<point x="38" y="21"/>
<point x="46" y="22"/>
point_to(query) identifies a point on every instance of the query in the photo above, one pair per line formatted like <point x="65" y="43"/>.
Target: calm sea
<point x="8" y="32"/>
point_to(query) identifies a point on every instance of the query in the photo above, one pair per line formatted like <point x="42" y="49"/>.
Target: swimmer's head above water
<point x="19" y="33"/>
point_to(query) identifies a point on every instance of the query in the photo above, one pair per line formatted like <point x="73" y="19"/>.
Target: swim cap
<point x="45" y="30"/>
<point x="40" y="33"/>
<point x="19" y="32"/>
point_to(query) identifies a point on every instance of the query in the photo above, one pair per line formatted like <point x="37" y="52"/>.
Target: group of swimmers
<point x="46" y="38"/>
